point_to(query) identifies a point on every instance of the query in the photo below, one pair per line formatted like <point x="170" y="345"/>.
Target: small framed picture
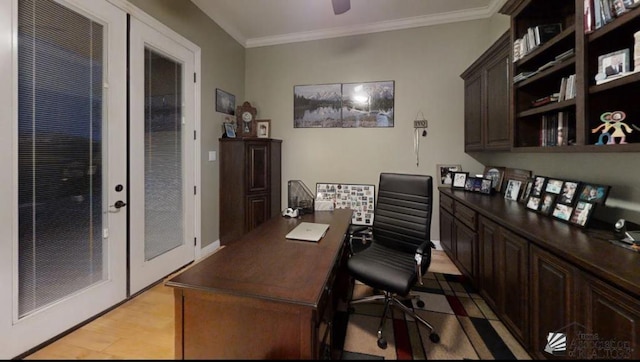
<point x="526" y="190"/>
<point x="613" y="64"/>
<point x="547" y="203"/>
<point x="229" y="130"/>
<point x="263" y="128"/>
<point x="582" y="213"/>
<point x="485" y="186"/>
<point x="445" y="174"/>
<point x="554" y="186"/>
<point x="496" y="174"/>
<point x="538" y="184"/>
<point x="225" y="102"/>
<point x="513" y="190"/>
<point x="533" y="203"/>
<point x="469" y="182"/>
<point x="596" y="194"/>
<point x="568" y="194"/>
<point x="459" y="179"/>
<point x="562" y="212"/>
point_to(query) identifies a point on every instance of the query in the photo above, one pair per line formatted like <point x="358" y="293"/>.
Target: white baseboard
<point x="437" y="244"/>
<point x="210" y="249"/>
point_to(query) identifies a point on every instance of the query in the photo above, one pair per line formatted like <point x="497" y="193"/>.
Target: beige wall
<point x="222" y="67"/>
<point x="425" y="64"/>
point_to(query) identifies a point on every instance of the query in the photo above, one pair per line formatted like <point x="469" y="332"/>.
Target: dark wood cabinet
<point x="250" y="184"/>
<point x="458" y="235"/>
<point x="486" y="106"/>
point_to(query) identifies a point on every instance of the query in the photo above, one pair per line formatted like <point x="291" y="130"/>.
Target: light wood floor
<point x="142" y="328"/>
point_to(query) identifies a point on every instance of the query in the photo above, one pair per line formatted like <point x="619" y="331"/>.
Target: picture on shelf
<point x="554" y="186"/>
<point x="596" y="194"/>
<point x="229" y="130"/>
<point x="526" y="191"/>
<point x="538" y="184"/>
<point x="469" y="183"/>
<point x="513" y="190"/>
<point x="547" y="203"/>
<point x="613" y="65"/>
<point x="485" y="188"/>
<point x="263" y="127"/>
<point x="459" y="179"/>
<point x="582" y="213"/>
<point x="533" y="203"/>
<point x="496" y="174"/>
<point x="568" y="193"/>
<point x="562" y="212"/>
<point x="445" y="174"/>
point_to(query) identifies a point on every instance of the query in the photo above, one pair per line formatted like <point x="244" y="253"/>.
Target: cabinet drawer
<point x="466" y="215"/>
<point x="446" y="202"/>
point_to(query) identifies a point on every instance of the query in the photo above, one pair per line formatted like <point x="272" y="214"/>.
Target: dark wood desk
<point x="263" y="296"/>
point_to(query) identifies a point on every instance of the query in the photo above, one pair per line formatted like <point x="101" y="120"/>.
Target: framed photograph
<point x="547" y="202"/>
<point x="562" y="212"/>
<point x="568" y="194"/>
<point x="496" y="174"/>
<point x="229" y="130"/>
<point x="582" y="213"/>
<point x="225" y="102"/>
<point x="512" y="191"/>
<point x="517" y="174"/>
<point x="444" y="173"/>
<point x="485" y="186"/>
<point x="596" y="194"/>
<point x="533" y="203"/>
<point x="554" y="186"/>
<point x="263" y="128"/>
<point x="469" y="183"/>
<point x="538" y="184"/>
<point x="459" y="179"/>
<point x="613" y="64"/>
<point x="526" y="191"/>
<point x="477" y="184"/>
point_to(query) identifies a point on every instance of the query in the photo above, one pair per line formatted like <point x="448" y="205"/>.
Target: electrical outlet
<point x="420" y="123"/>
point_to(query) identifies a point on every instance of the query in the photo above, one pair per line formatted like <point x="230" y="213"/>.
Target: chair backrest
<point x="402" y="217"/>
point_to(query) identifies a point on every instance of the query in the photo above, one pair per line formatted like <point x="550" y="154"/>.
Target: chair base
<point x="390" y="301"/>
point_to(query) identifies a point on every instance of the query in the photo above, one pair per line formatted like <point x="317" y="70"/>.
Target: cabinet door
<point x="446" y="233"/>
<point x="257" y="211"/>
<point x="552" y="299"/>
<point x="496" y="95"/>
<point x="515" y="290"/>
<point x="489" y="262"/>
<point x="611" y="315"/>
<point x="473" y="112"/>
<point x="465" y="249"/>
<point x="257" y="167"/>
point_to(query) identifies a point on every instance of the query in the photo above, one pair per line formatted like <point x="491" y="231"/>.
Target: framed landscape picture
<point x="225" y="102"/>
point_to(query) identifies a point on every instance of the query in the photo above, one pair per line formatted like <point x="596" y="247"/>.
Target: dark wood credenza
<point x="263" y="296"/>
<point x="541" y="275"/>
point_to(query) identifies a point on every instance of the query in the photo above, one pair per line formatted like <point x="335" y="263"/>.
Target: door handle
<point x="119" y="204"/>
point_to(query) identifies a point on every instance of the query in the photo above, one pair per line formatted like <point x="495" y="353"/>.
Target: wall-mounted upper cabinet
<point x="559" y="101"/>
<point x="486" y="108"/>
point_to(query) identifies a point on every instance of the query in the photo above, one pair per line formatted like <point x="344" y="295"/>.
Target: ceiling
<point x="255" y="23"/>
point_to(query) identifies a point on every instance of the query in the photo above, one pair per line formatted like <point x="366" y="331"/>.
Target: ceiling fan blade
<point x="340" y="6"/>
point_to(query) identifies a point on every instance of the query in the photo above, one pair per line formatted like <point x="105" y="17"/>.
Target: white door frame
<point x="22" y="334"/>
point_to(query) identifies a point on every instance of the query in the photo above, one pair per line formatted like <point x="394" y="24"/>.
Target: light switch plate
<point x="212" y="155"/>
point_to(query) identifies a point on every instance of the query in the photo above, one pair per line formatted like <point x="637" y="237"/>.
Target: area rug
<point x="468" y="328"/>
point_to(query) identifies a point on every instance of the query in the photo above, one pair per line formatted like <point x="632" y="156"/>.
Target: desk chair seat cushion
<point x="385" y="269"/>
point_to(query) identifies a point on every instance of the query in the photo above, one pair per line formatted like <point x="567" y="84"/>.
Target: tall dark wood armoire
<point x="250" y="184"/>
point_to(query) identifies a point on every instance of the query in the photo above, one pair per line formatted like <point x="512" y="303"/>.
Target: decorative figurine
<point x="612" y="120"/>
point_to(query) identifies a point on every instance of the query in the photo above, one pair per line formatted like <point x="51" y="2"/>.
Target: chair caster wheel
<point x="382" y="343"/>
<point x="420" y="304"/>
<point x="434" y="337"/>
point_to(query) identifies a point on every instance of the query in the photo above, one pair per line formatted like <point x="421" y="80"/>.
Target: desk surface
<point x="264" y="264"/>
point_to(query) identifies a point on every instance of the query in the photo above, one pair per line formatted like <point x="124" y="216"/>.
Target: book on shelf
<point x="545" y="100"/>
<point x="545" y="32"/>
<point x="566" y="54"/>
<point x="556" y="129"/>
<point x="588" y="16"/>
<point x="523" y="76"/>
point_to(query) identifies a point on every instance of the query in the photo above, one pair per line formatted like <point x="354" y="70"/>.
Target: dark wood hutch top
<point x="588" y="249"/>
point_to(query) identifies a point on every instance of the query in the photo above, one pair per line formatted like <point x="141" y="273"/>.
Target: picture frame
<point x="459" y="180"/>
<point x="469" y="183"/>
<point x="569" y="191"/>
<point x="225" y="102"/>
<point x="547" y="203"/>
<point x="582" y="213"/>
<point x="593" y="193"/>
<point x="553" y="186"/>
<point x="512" y="190"/>
<point x="538" y="185"/>
<point x="263" y="128"/>
<point x="444" y="174"/>
<point x="496" y="174"/>
<point x="229" y="130"/>
<point x="533" y="203"/>
<point x="517" y="174"/>
<point x="562" y="212"/>
<point x="526" y="191"/>
<point x="485" y="186"/>
<point x="614" y="64"/>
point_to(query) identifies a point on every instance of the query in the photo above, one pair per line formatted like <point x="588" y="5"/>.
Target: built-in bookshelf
<point x="564" y="74"/>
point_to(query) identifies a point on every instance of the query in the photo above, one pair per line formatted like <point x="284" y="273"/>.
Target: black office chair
<point x="400" y="249"/>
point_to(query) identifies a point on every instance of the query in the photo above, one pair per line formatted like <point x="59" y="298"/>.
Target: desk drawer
<point x="446" y="202"/>
<point x="466" y="215"/>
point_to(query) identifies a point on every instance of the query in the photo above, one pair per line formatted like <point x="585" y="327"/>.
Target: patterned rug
<point x="468" y="328"/>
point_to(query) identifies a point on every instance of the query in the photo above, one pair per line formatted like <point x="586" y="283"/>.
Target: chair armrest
<point x="427" y="245"/>
<point x="360" y="232"/>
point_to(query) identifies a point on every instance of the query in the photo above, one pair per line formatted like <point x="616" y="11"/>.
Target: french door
<point x="162" y="155"/>
<point x="64" y="161"/>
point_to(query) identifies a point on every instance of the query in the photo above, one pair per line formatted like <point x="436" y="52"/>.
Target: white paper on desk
<point x="323" y="205"/>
